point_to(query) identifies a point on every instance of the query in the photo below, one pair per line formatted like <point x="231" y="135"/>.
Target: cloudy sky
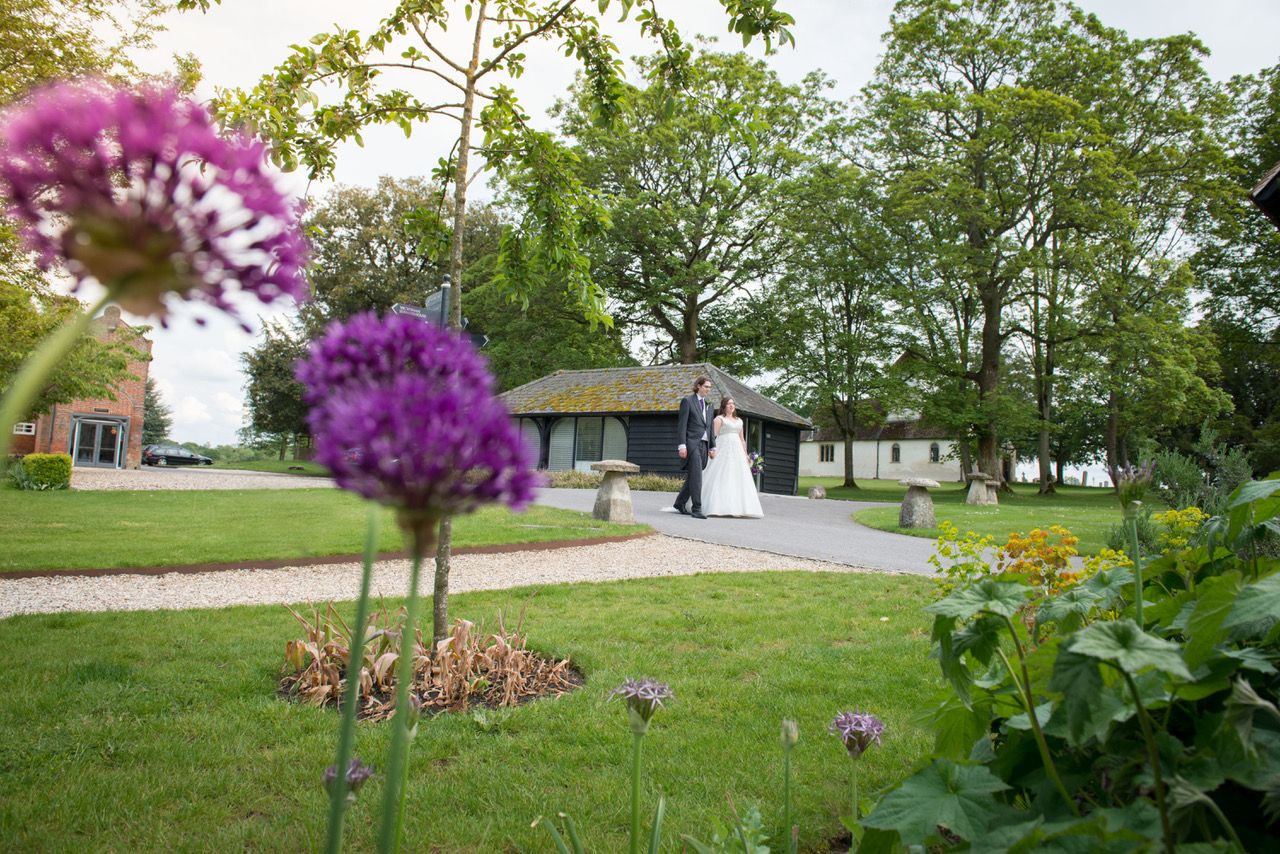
<point x="198" y="369"/>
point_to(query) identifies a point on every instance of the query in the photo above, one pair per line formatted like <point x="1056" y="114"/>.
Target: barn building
<point x="575" y="418"/>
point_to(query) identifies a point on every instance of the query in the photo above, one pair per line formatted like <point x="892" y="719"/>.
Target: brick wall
<point x="53" y="430"/>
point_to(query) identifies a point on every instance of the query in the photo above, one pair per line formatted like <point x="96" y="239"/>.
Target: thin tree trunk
<point x="1061" y="478"/>
<point x="1113" y="438"/>
<point x="966" y="459"/>
<point x="444" y="549"/>
<point x="989" y="383"/>
<point x="284" y="446"/>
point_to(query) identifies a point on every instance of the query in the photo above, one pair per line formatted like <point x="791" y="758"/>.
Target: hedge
<point x="46" y="471"/>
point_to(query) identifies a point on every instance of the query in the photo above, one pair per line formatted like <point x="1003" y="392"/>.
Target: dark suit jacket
<point x="694" y="421"/>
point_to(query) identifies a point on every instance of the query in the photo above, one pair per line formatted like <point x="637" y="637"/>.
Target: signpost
<point x="436" y="310"/>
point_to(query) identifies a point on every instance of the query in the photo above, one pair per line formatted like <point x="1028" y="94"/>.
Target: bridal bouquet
<point x="757" y="462"/>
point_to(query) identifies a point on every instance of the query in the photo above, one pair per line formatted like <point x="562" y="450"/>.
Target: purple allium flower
<point x="138" y="190"/>
<point x="403" y="413"/>
<point x="357" y="774"/>
<point x="643" y="696"/>
<point x="857" y="730"/>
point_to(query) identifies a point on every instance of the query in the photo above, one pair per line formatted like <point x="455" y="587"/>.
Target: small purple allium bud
<point x="138" y="190"/>
<point x="403" y="412"/>
<point x="790" y="733"/>
<point x="857" y="730"/>
<point x="643" y="697"/>
<point x="357" y="774"/>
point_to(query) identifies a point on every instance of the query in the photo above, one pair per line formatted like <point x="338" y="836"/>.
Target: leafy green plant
<point x="42" y="472"/>
<point x="746" y="836"/>
<point x="1131" y="726"/>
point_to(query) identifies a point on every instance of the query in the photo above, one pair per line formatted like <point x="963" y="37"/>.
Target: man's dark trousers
<point x="696" y="461"/>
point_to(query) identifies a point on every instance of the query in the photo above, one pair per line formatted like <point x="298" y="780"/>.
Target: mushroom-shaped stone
<point x="982" y="489"/>
<point x="917" y="506"/>
<point x="817" y="492"/>
<point x="613" y="498"/>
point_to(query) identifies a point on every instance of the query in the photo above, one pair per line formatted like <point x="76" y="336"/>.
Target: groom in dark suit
<point x="697" y="444"/>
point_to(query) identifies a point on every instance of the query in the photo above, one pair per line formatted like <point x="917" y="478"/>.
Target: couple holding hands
<point x="719" y="445"/>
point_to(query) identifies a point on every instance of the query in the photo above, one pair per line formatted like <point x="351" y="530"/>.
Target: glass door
<point x="97" y="443"/>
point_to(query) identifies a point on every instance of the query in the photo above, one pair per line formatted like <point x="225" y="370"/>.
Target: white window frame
<point x="24" y="428"/>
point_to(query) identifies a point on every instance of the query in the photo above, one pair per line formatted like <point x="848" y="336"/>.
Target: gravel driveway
<point x="190" y="477"/>
<point x="649" y="557"/>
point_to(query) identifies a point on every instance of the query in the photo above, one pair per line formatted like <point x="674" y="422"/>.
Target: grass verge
<point x="108" y="529"/>
<point x="163" y="732"/>
<point x="1088" y="513"/>
<point x="298" y="467"/>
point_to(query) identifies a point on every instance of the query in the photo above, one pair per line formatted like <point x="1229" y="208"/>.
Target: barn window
<point x="24" y="428"/>
<point x="827" y="453"/>
<point x="895" y="453"/>
<point x="934" y="453"/>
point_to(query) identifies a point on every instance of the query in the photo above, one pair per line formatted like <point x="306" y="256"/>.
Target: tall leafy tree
<point x="349" y="71"/>
<point x="834" y="337"/>
<point x="30" y="312"/>
<point x="696" y="183"/>
<point x="273" y="397"/>
<point x="988" y="159"/>
<point x="157" y="417"/>
<point x="374" y="247"/>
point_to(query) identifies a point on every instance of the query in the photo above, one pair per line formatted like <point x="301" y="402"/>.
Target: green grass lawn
<point x="299" y="467"/>
<point x="1089" y="512"/>
<point x="160" y="731"/>
<point x="92" y="530"/>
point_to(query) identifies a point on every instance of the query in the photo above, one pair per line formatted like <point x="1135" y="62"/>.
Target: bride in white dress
<point x="728" y="488"/>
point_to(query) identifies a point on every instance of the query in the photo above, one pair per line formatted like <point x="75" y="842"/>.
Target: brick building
<point x="97" y="433"/>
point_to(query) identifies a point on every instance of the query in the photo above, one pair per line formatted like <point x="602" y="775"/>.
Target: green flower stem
<point x="346" y="733"/>
<point x="1153" y="756"/>
<point x="637" y="739"/>
<point x="1137" y="567"/>
<point x="16" y="404"/>
<point x="398" y="755"/>
<point x="856" y="809"/>
<point x="786" y="794"/>
<point x="1222" y="819"/>
<point x="1024" y="687"/>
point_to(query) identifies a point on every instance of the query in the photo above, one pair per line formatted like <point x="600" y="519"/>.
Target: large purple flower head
<point x="138" y="190"/>
<point x="857" y="730"/>
<point x="403" y="413"/>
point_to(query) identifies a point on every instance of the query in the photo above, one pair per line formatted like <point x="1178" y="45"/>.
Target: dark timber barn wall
<point x="651" y="444"/>
<point x="781" y="459"/>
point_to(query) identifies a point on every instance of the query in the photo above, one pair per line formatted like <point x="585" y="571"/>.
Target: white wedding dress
<point x="728" y="487"/>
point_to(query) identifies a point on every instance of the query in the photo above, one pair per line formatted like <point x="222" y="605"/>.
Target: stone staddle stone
<point x="817" y="492"/>
<point x="613" y="498"/>
<point x="982" y="490"/>
<point x="917" y="506"/>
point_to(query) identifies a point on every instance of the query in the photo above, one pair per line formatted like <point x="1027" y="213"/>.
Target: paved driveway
<point x="819" y="530"/>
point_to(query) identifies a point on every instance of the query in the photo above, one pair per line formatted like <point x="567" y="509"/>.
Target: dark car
<point x="172" y="455"/>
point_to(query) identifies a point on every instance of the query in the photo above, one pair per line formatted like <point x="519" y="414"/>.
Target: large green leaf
<point x="956" y="727"/>
<point x="1122" y="643"/>
<point x="957" y="797"/>
<point x="1111" y="585"/>
<point x="1256" y="610"/>
<point x="980" y="638"/>
<point x="1216" y="597"/>
<point x="953" y="669"/>
<point x="1069" y="609"/>
<point x="1088" y="705"/>
<point x="994" y="597"/>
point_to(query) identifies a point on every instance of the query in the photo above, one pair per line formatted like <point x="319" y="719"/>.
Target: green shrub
<point x="1148" y="533"/>
<point x="43" y="471"/>
<point x="591" y="480"/>
<point x="1133" y="711"/>
<point x="1179" y="480"/>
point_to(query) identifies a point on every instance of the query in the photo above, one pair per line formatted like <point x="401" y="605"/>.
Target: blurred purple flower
<point x="403" y="413"/>
<point x="357" y="774"/>
<point x="643" y="696"/>
<point x="138" y="190"/>
<point x="857" y="730"/>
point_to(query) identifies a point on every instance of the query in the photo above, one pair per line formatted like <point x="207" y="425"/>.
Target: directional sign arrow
<point x="479" y="341"/>
<point x="411" y="310"/>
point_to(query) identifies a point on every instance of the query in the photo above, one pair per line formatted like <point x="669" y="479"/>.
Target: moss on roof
<point x="643" y="389"/>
